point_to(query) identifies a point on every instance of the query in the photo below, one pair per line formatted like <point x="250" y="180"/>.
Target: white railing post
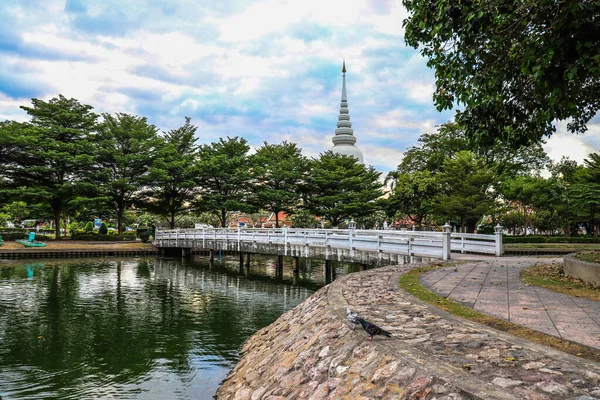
<point x="285" y="240"/>
<point x="239" y="244"/>
<point x="499" y="245"/>
<point x="446" y="241"/>
<point x="351" y="227"/>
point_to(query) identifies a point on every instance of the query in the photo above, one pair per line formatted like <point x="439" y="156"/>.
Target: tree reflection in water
<point x="127" y="328"/>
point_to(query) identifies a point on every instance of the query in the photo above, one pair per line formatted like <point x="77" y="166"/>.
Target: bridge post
<point x="446" y="248"/>
<point x="248" y="260"/>
<point x="211" y="255"/>
<point x="499" y="244"/>
<point x="241" y="262"/>
<point x="328" y="271"/>
<point x="296" y="265"/>
<point x="279" y="271"/>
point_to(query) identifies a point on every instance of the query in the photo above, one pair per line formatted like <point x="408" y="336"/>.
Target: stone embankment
<point x="310" y="352"/>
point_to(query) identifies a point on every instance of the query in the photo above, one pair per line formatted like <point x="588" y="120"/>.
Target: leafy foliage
<point x="127" y="148"/>
<point x="224" y="177"/>
<point x="171" y="182"/>
<point x="52" y="157"/>
<point x="278" y="170"/>
<point x="339" y="187"/>
<point x="515" y="66"/>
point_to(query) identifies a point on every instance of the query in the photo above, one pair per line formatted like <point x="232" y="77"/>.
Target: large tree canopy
<point x="171" y="182"/>
<point x="339" y="187"/>
<point x="515" y="66"/>
<point x="277" y="171"/>
<point x="51" y="157"/>
<point x="127" y="148"/>
<point x="224" y="177"/>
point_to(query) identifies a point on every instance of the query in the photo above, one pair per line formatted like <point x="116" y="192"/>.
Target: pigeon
<point x="373" y="329"/>
<point x="353" y="317"/>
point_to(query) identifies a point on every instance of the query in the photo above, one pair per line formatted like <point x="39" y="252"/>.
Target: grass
<point x="410" y="283"/>
<point x="593" y="256"/>
<point x="552" y="277"/>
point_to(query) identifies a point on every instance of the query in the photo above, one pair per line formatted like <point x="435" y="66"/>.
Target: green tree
<point x="18" y="210"/>
<point x="338" y="187"/>
<point x="127" y="148"/>
<point x="304" y="219"/>
<point x="52" y="157"/>
<point x="585" y="191"/>
<point x="563" y="173"/>
<point x="532" y="195"/>
<point x="224" y="177"/>
<point x="278" y="170"/>
<point x="465" y="190"/>
<point x="515" y="66"/>
<point x="171" y="182"/>
<point x="413" y="196"/>
<point x="433" y="149"/>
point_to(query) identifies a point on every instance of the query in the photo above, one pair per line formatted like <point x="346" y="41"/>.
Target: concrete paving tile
<point x="496" y="289"/>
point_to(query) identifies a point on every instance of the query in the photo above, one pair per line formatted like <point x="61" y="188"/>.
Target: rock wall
<point x="311" y="352"/>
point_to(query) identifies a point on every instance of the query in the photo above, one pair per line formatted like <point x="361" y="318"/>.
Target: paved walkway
<point x="494" y="287"/>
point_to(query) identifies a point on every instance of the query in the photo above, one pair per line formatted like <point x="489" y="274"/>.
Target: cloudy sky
<point x="266" y="70"/>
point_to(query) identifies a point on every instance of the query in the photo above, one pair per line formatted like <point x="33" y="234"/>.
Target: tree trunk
<point x="57" y="223"/>
<point x="276" y="219"/>
<point x="223" y="218"/>
<point x="120" y="212"/>
<point x="471" y="227"/>
<point x="172" y="219"/>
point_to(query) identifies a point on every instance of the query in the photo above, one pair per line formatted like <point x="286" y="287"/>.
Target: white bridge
<point x="353" y="245"/>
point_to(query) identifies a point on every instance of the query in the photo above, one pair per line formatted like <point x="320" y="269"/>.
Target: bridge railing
<point x="433" y="244"/>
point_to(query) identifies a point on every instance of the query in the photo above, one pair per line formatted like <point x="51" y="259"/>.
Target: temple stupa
<point x="343" y="140"/>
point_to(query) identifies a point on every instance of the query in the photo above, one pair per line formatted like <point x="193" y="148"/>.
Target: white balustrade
<point x="430" y="244"/>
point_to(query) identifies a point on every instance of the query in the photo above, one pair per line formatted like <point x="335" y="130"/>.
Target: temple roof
<point x="343" y="140"/>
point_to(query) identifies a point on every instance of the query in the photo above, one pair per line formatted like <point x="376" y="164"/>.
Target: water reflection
<point x="138" y="328"/>
<point x="129" y="328"/>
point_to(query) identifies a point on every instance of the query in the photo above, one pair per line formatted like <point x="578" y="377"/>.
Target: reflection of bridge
<point x="367" y="247"/>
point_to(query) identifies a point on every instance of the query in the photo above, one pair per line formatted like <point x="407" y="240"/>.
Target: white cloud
<point x="575" y="147"/>
<point x="264" y="70"/>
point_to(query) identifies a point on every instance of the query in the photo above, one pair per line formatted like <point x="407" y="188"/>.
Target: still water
<point x="136" y="328"/>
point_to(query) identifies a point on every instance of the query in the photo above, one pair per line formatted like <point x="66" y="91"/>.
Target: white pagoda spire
<point x="343" y="140"/>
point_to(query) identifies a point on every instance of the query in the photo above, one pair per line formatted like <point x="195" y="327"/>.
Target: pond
<point x="135" y="328"/>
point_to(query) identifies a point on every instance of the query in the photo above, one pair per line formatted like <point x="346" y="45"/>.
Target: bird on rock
<point x="373" y="329"/>
<point x="353" y="317"/>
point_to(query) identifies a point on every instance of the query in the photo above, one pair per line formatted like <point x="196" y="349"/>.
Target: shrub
<point x="103" y="229"/>
<point x="98" y="237"/>
<point x="144" y="234"/>
<point x="550" y="239"/>
<point x="524" y="239"/>
<point x="89" y="227"/>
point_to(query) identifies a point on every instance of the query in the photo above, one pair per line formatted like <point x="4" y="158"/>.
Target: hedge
<point x="91" y="237"/>
<point x="23" y="235"/>
<point x="550" y="239"/>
